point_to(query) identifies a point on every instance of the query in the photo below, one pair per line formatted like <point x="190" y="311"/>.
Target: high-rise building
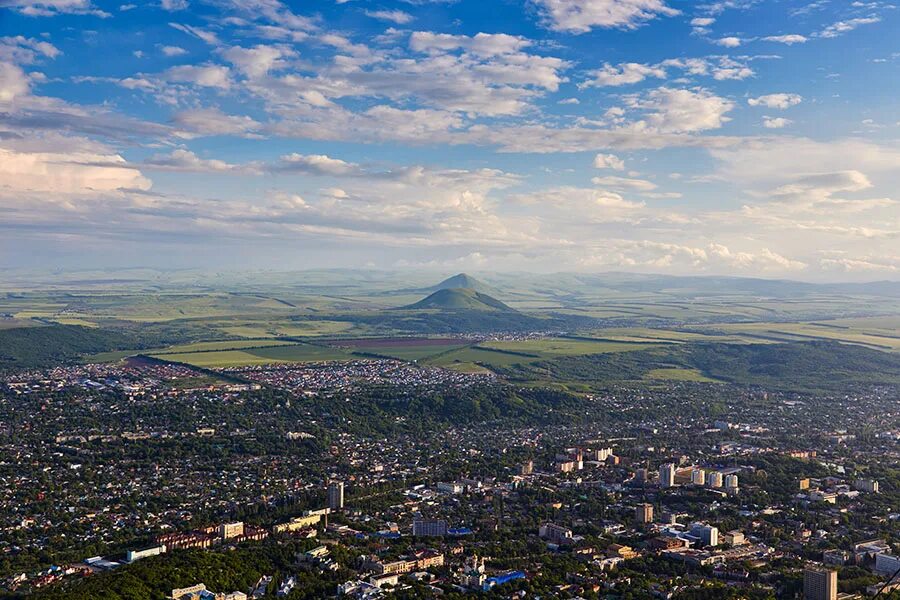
<point x="667" y="475"/>
<point x="602" y="454"/>
<point x="556" y="533"/>
<point x="527" y="467"/>
<point x="866" y="485"/>
<point x="714" y="479"/>
<point x="731" y="482"/>
<point x="820" y="584"/>
<point x="803" y="484"/>
<point x="643" y="513"/>
<point x="336" y="495"/>
<point x="707" y="534"/>
<point x="429" y="528"/>
<point x="698" y="477"/>
<point x="231" y="530"/>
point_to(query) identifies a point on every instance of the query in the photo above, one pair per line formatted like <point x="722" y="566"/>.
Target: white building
<point x="731" y="482"/>
<point x="698" y="477"/>
<point x="707" y="534"/>
<point x="133" y="555"/>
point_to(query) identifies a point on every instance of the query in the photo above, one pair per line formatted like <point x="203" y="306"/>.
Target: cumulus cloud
<point x="580" y="16"/>
<point x="209" y="75"/>
<point x="67" y="174"/>
<point x="394" y="16"/>
<point x="789" y="39"/>
<point x="823" y="185"/>
<point x="842" y="27"/>
<point x="49" y="8"/>
<point x="729" y="42"/>
<point x="14" y="83"/>
<point x="624" y="183"/>
<point x="173" y="51"/>
<point x="609" y="161"/>
<point x="775" y="122"/>
<point x="317" y="164"/>
<point x="670" y="110"/>
<point x="212" y="121"/>
<point x="259" y="60"/>
<point x="624" y="74"/>
<point x="187" y="161"/>
<point x="780" y="101"/>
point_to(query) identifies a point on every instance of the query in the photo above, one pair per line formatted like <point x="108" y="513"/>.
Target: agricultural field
<point x="855" y="332"/>
<point x="411" y="349"/>
<point x="259" y="356"/>
<point x="677" y="375"/>
<point x="225" y="345"/>
<point x="556" y="347"/>
<point x="472" y="357"/>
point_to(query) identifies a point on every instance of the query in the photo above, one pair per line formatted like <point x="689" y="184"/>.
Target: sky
<point x="737" y="137"/>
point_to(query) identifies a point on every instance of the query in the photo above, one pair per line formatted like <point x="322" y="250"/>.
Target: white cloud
<point x="212" y="121"/>
<point x="624" y="183"/>
<point x="771" y="161"/>
<point x="207" y="36"/>
<point x="173" y="5"/>
<point x="209" y="75"/>
<point x="482" y="44"/>
<point x="580" y="16"/>
<point x="609" y="161"/>
<point x="14" y="83"/>
<point x="775" y="122"/>
<point x="842" y="27"/>
<point x="257" y="61"/>
<point x="680" y="110"/>
<point x="394" y="16"/>
<point x="185" y="160"/>
<point x="824" y="185"/>
<point x="729" y="42"/>
<point x="49" y="8"/>
<point x="26" y="51"/>
<point x="624" y="74"/>
<point x="318" y="164"/>
<point x="702" y="21"/>
<point x="173" y="51"/>
<point x="781" y="101"/>
<point x="67" y="174"/>
<point x="789" y="39"/>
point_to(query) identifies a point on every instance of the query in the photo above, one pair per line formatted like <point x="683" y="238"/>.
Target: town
<point x="636" y="490"/>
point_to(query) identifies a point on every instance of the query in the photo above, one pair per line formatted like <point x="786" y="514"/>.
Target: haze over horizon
<point x="744" y="137"/>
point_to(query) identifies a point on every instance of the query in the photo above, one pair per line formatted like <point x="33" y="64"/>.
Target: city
<point x="640" y="493"/>
<point x="449" y="299"/>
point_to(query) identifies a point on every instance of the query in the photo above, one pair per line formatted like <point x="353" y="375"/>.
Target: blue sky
<point x="736" y="137"/>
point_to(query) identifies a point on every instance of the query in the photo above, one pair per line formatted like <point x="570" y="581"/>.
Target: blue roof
<point x="501" y="579"/>
<point x="459" y="531"/>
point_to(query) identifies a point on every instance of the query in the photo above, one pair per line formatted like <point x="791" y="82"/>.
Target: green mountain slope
<point x="461" y="281"/>
<point x="460" y="299"/>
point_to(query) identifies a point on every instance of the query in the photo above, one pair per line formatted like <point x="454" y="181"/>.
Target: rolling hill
<point x="460" y="299"/>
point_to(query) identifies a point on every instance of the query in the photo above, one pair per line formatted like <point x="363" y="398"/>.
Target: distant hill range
<point x="460" y="299"/>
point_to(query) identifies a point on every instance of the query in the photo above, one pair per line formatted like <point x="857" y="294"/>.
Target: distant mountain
<point x="461" y="281"/>
<point x="460" y="299"/>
